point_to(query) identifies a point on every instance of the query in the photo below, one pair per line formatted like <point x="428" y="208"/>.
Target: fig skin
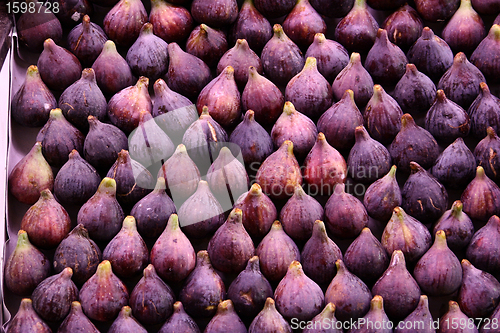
<point x="349" y="292"/>
<point x="486" y="7"/>
<point x="399" y="289"/>
<point x="171" y="22"/>
<point x="172" y="255"/>
<point x="72" y="11"/>
<point x="27" y="320"/>
<point x="31" y="175"/>
<point x="46" y="222"/>
<point x="484" y="112"/>
<point x="180" y="321"/>
<point x="52" y="298"/>
<point x="481" y="251"/>
<point x="382" y="196"/>
<point x="356" y="78"/>
<point x="52" y="71"/>
<point x="297" y="296"/>
<point x="302" y="23"/>
<point x="126" y="323"/>
<point x="78" y="252"/>
<point x="414" y="92"/>
<point x="366" y="251"/>
<point x="104" y="294"/>
<point x="25" y="267"/>
<point x="332" y="9"/>
<point x="207" y="43"/>
<point x="486" y="154"/>
<point x="77" y="321"/>
<point x="151" y="300"/>
<point x="216" y="14"/>
<point x="483" y="57"/>
<point x="86" y="41"/>
<point x="403" y="26"/>
<point x="454" y="314"/>
<point x="226" y="318"/>
<point x="249" y="290"/>
<point x="124" y="21"/>
<point x="326" y="316"/>
<point x="455" y="166"/>
<point x="481" y="198"/>
<point x="376" y="314"/>
<point x="34" y="28"/>
<point x="203" y="289"/>
<point x="435" y="11"/>
<point x="421" y="314"/>
<point x="33" y="101"/>
<point x="457" y="226"/>
<point x="269" y="320"/>
<point x="331" y="56"/>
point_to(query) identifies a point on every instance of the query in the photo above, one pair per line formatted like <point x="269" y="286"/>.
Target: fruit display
<point x="254" y="166"/>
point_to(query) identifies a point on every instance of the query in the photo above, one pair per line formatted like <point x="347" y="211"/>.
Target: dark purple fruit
<point x="331" y="56"/>
<point x="207" y="43"/>
<point x="332" y="8"/>
<point x="226" y="318"/>
<point x="217" y="13"/>
<point x="86" y="41"/>
<point x="180" y="321"/>
<point x="457" y="226"/>
<point x="456" y="315"/>
<point x="27" y="320"/>
<point x="486" y="154"/>
<point x="126" y="323"/>
<point x="124" y="21"/>
<point x="415" y="91"/>
<point x="482" y="249"/>
<point x="76" y="321"/>
<point x="252" y="26"/>
<point x="435" y="11"/>
<point x="302" y="23"/>
<point x="274" y="9"/>
<point x="483" y="56"/>
<point x="35" y="27"/>
<point x="382" y="196"/>
<point x="326" y="316"/>
<point x="269" y="320"/>
<point x="481" y="198"/>
<point x="376" y="314"/>
<point x="170" y="22"/>
<point x="403" y="26"/>
<point x="484" y="112"/>
<point x="422" y="315"/>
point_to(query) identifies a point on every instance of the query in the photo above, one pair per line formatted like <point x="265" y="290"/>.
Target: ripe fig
<point x="485" y="328"/>
<point x="331" y="56"/>
<point x="240" y="57"/>
<point x="126" y="323"/>
<point x="382" y="196"/>
<point x="25" y="267"/>
<point x="276" y="252"/>
<point x="435" y="11"/>
<point x="207" y="43"/>
<point x="486" y="154"/>
<point x="78" y="252"/>
<point x="58" y="67"/>
<point x="86" y="41"/>
<point x="172" y="254"/>
<point x="52" y="298"/>
<point x="151" y="300"/>
<point x="102" y="215"/>
<point x="76" y="321"/>
<point x="249" y="290"/>
<point x="398" y="288"/>
<point x="36" y="27"/>
<point x="422" y="315"/>
<point x="403" y="26"/>
<point x="355" y="77"/>
<point x="124" y="21"/>
<point x="203" y="289"/>
<point x="27" y="320"/>
<point x="111" y="70"/>
<point x="482" y="248"/>
<point x="30" y="176"/>
<point x="269" y="320"/>
<point x="281" y="57"/>
<point x="180" y="321"/>
<point x="171" y="22"/>
<point x="457" y="227"/>
<point x="483" y="56"/>
<point x="280" y="173"/>
<point x="349" y="292"/>
<point x="455" y="314"/>
<point x="481" y="198"/>
<point x="226" y="318"/>
<point x="376" y="314"/>
<point x="484" y="112"/>
<point x="46" y="222"/>
<point x="326" y="316"/>
<point x="302" y="23"/>
<point x="33" y="101"/>
<point x="486" y="7"/>
<point x="72" y="11"/>
<point x="216" y="14"/>
<point x="332" y="9"/>
<point x="414" y="92"/>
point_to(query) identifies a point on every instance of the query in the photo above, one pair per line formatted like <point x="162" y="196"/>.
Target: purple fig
<point x="415" y="91"/>
<point x="332" y="9"/>
<point x="86" y="41"/>
<point x="456" y="315"/>
<point x="486" y="153"/>
<point x="484" y="112"/>
<point x="376" y="314"/>
<point x="226" y="318"/>
<point x="302" y="23"/>
<point x="326" y="316"/>
<point x="382" y="196"/>
<point x="269" y="320"/>
<point x="481" y="249"/>
<point x="403" y="26"/>
<point x="72" y="11"/>
<point x="126" y="323"/>
<point x="331" y="56"/>
<point x="486" y="7"/>
<point x="483" y="55"/>
<point x="435" y="11"/>
<point x="124" y="21"/>
<point x="252" y="26"/>
<point x="37" y="26"/>
<point x="77" y="320"/>
<point x="217" y="14"/>
<point x="481" y="198"/>
<point x="207" y="43"/>
<point x="488" y="325"/>
<point x="170" y="22"/>
<point x="27" y="320"/>
<point x="180" y="321"/>
<point x="422" y="315"/>
<point x="457" y="227"/>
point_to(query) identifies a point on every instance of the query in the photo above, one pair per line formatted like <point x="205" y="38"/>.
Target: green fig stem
<point x="160" y="185"/>
<point x="109" y="47"/>
<point x="173" y="223"/>
<point x="225" y="307"/>
<point x="203" y="259"/>
<point x="407" y="121"/>
<point x="76" y="307"/>
<point x="465" y="5"/>
<point x="480" y="173"/>
<point x="289" y="109"/>
<point x="235" y="216"/>
<point x="340" y="266"/>
<point x="181" y="149"/>
<point x="278" y="32"/>
<point x="252" y="73"/>
<point x="377" y="303"/>
<point x="46" y="194"/>
<point x="295" y="269"/>
<point x="129" y="224"/>
<point x="392" y="172"/>
<point x="299" y="192"/>
<point x="276" y="226"/>
<point x="143" y="83"/>
<point x="495" y="32"/>
<point x="228" y="73"/>
<point x="456" y="209"/>
<point x="255" y="190"/>
<point x="203" y="30"/>
<point x="319" y="38"/>
<point x="204" y="111"/>
<point x="355" y="58"/>
<point x="104" y="270"/>
<point x="32" y="72"/>
<point x="453" y="307"/>
<point x="319" y="231"/>
<point x="107" y="186"/>
<point x="328" y="311"/>
<point x="349" y="97"/>
<point x="490" y="133"/>
<point x="311" y="64"/>
<point x="249" y="116"/>
<point x="359" y="4"/>
<point x="23" y="241"/>
<point x="56" y="114"/>
<point x="126" y="311"/>
<point x="147" y="29"/>
<point x="288" y="147"/>
<point x="440" y="240"/>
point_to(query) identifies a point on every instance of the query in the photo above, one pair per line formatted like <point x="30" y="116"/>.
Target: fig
<point x="262" y="97"/>
<point x="258" y="212"/>
<point x="223" y="99"/>
<point x="151" y="300"/>
<point x="240" y="57"/>
<point x="276" y="252"/>
<point x="431" y="54"/>
<point x="217" y="14"/>
<point x="356" y="78"/>
<point x="252" y="26"/>
<point x="281" y="57"/>
<point x="349" y="292"/>
<point x="484" y="112"/>
<point x="37" y="26"/>
<point x="33" y="101"/>
<point x="339" y="122"/>
<point x="398" y="288"/>
<point x="203" y="289"/>
<point x="438" y="272"/>
<point x="483" y="58"/>
<point x="385" y="61"/>
<point x="406" y="234"/>
<point x="112" y="72"/>
<point x="30" y="176"/>
<point x="180" y="321"/>
<point x="481" y="249"/>
<point x="148" y="55"/>
<point x="487" y="327"/>
<point x="102" y="215"/>
<point x="455" y="166"/>
<point x="435" y="11"/>
<point x="172" y="255"/>
<point x="376" y="314"/>
<point x="366" y="155"/>
<point x="207" y="43"/>
<point x="201" y="214"/>
<point x="126" y="323"/>
<point x="127" y="252"/>
<point x="422" y="315"/>
<point x="86" y="41"/>
<point x="124" y="21"/>
<point x="254" y="141"/>
<point x="302" y="23"/>
<point x="424" y="148"/>
<point x="357" y="30"/>
<point x="249" y="290"/>
<point x="280" y="173"/>
<point x="481" y="198"/>
<point x="25" y="267"/>
<point x="226" y="318"/>
<point x="385" y="5"/>
<point x="269" y="320"/>
<point x="403" y="26"/>
<point x="382" y="196"/>
<point x="274" y="9"/>
<point x="78" y="252"/>
<point x="331" y="56"/>
<point x="102" y="144"/>
<point x="58" y="67"/>
<point x="72" y="11"/>
<point x="46" y="222"/>
<point x="457" y="227"/>
<point x="76" y="321"/>
<point x="414" y="92"/>
<point x="171" y="22"/>
<point x="299" y="213"/>
<point x="125" y="107"/>
<point x="486" y="154"/>
<point x="52" y="298"/>
<point x="326" y="316"/>
<point x="332" y="9"/>
<point x="186" y="74"/>
<point x="366" y="258"/>
<point x="345" y="215"/>
<point x="477" y="282"/>
<point x="486" y="7"/>
<point x="424" y="197"/>
<point x="456" y="315"/>
<point x="27" y="320"/>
